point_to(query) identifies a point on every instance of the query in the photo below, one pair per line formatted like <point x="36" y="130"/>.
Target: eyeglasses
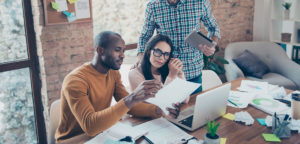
<point x="158" y="53"/>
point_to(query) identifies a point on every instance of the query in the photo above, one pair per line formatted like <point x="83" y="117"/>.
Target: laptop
<point x="209" y="106"/>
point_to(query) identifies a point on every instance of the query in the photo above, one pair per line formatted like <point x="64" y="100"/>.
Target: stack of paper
<point x="161" y="131"/>
<point x="177" y="91"/>
<point x="244" y="117"/>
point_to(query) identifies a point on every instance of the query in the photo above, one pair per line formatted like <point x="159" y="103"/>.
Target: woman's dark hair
<point x="145" y="63"/>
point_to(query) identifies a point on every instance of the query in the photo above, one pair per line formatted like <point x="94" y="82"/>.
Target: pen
<point x="148" y="140"/>
<point x="232" y="103"/>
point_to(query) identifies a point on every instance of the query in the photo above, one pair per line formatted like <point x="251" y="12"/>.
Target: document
<point x="269" y="105"/>
<point x="82" y="9"/>
<point x="117" y="132"/>
<point x="161" y="131"/>
<point x="177" y="91"/>
<point x="254" y="86"/>
<point x="240" y="99"/>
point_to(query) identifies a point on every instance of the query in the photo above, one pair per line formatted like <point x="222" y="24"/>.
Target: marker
<point x="233" y="103"/>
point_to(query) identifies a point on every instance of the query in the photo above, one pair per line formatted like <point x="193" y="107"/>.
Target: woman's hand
<point x="175" y="67"/>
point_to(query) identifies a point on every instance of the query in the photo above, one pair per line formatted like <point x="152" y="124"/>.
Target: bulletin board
<point x="53" y="17"/>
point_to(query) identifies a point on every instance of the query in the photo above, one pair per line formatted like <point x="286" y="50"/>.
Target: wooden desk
<point x="234" y="132"/>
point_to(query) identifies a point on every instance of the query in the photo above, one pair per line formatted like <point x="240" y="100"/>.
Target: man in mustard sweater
<point x="87" y="92"/>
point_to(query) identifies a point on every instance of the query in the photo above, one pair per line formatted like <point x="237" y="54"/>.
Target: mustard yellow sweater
<point x="85" y="102"/>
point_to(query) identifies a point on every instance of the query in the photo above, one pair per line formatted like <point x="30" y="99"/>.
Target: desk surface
<point x="234" y="132"/>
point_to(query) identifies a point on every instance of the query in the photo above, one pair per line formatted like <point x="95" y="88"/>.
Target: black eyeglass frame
<point x="157" y="53"/>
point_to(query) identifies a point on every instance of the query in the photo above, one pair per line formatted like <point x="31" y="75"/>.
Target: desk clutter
<point x="272" y="100"/>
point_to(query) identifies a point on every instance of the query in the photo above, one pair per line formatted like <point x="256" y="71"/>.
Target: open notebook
<point x="117" y="132"/>
<point x="161" y="131"/>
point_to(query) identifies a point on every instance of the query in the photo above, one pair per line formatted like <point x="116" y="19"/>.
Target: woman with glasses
<point x="157" y="63"/>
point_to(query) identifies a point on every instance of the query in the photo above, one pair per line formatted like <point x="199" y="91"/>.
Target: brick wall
<point x="65" y="47"/>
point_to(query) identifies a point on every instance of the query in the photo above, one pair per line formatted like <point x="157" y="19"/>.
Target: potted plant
<point x="287" y="6"/>
<point x="215" y="63"/>
<point x="211" y="136"/>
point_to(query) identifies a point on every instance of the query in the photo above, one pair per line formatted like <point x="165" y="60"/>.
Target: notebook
<point x="161" y="131"/>
<point x="196" y="38"/>
<point x="117" y="132"/>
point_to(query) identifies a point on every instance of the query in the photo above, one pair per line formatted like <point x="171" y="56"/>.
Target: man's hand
<point x="208" y="51"/>
<point x="173" y="112"/>
<point x="175" y="67"/>
<point x="140" y="56"/>
<point x="145" y="90"/>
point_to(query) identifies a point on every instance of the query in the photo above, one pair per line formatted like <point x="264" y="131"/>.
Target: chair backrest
<point x="54" y="120"/>
<point x="210" y="79"/>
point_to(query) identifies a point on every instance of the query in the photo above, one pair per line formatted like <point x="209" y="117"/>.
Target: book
<point x="196" y="38"/>
<point x="161" y="130"/>
<point x="117" y="132"/>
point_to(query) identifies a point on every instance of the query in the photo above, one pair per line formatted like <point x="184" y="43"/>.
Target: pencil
<point x="233" y="103"/>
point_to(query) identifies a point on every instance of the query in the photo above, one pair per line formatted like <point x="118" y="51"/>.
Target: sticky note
<point x="223" y="141"/>
<point x="72" y="1"/>
<point x="55" y="5"/>
<point x="72" y="17"/>
<point x="261" y="121"/>
<point x="68" y="14"/>
<point x="271" y="138"/>
<point x="229" y="116"/>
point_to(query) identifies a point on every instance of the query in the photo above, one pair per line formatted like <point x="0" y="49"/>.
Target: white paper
<point x="82" y="9"/>
<point x="254" y="86"/>
<point x="241" y="99"/>
<point x="161" y="131"/>
<point x="62" y="5"/>
<point x="116" y="132"/>
<point x="244" y="117"/>
<point x="176" y="91"/>
<point x="269" y="105"/>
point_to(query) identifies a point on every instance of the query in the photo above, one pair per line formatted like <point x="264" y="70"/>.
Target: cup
<point x="296" y="106"/>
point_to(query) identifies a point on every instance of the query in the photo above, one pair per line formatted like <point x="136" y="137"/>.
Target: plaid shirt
<point x="177" y="22"/>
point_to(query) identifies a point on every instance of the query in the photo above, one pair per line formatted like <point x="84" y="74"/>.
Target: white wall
<point x="261" y="20"/>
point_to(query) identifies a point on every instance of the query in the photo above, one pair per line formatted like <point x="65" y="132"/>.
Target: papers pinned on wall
<point x="62" y="5"/>
<point x="82" y="9"/>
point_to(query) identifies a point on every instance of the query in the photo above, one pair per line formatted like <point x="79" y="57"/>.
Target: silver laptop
<point x="209" y="106"/>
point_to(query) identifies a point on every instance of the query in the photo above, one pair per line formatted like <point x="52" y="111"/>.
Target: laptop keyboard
<point x="187" y="121"/>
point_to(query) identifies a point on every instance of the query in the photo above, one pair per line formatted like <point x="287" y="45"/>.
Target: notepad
<point x="229" y="116"/>
<point x="271" y="138"/>
<point x="261" y="121"/>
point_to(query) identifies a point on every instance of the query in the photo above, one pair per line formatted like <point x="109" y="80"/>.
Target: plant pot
<point x="286" y="37"/>
<point x="287" y="14"/>
<point x="208" y="140"/>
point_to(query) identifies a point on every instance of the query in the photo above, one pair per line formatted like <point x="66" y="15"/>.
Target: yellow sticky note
<point x="55" y="5"/>
<point x="223" y="141"/>
<point x="72" y="1"/>
<point x="271" y="138"/>
<point x="229" y="116"/>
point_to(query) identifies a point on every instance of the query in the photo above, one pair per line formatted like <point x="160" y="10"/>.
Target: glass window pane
<point x="17" y="120"/>
<point x="12" y="33"/>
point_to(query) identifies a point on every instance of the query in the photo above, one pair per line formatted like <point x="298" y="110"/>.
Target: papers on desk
<point x="116" y="132"/>
<point x="241" y="99"/>
<point x="163" y="132"/>
<point x="177" y="91"/>
<point x="269" y="105"/>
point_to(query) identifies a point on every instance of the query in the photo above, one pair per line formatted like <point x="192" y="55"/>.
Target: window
<point x="21" y="111"/>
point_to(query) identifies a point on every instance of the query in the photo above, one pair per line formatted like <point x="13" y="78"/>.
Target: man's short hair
<point x="103" y="39"/>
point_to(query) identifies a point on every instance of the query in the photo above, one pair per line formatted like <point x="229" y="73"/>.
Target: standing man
<point x="88" y="90"/>
<point x="176" y="19"/>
